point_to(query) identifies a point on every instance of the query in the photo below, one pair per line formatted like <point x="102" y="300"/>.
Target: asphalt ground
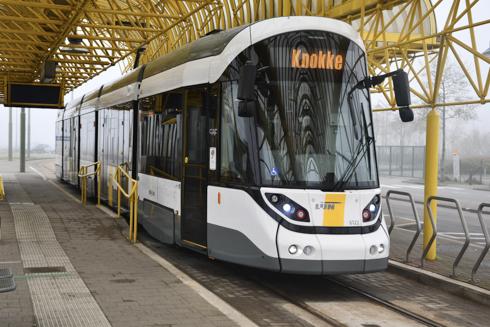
<point x="451" y="237"/>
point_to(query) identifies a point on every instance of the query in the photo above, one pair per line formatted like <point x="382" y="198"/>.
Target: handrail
<point x="2" y="189"/>
<point x="392" y="217"/>
<point x="84" y="174"/>
<point x="487" y="239"/>
<point x="154" y="169"/>
<point x="131" y="194"/>
<point x="463" y="223"/>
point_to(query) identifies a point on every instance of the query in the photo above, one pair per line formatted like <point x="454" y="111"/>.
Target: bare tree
<point x="454" y="88"/>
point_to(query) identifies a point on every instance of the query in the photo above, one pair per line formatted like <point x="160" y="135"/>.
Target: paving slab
<point x="71" y="259"/>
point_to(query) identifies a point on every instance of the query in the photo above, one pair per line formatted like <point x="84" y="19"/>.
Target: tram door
<point x="194" y="186"/>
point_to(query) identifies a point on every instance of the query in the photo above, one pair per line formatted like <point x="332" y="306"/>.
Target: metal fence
<point x="396" y="160"/>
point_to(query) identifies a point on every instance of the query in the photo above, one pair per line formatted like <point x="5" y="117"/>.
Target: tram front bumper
<point x="333" y="254"/>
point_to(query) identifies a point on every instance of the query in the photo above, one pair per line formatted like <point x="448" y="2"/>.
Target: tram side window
<point x="236" y="131"/>
<point x="160" y="134"/>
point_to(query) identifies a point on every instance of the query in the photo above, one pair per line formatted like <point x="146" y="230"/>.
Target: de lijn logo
<point x="326" y="205"/>
<point x="316" y="60"/>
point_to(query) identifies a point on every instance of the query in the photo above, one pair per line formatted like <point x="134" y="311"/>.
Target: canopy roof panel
<point x="78" y="39"/>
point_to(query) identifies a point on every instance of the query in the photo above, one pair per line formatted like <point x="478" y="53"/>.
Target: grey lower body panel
<point x="230" y="245"/>
<point x="158" y="221"/>
<point x="333" y="267"/>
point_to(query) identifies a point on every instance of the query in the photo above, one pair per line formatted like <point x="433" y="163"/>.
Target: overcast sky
<point x="43" y="120"/>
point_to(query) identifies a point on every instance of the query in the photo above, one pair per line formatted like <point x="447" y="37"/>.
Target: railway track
<point x="267" y="282"/>
<point x="396" y="308"/>
<point x="332" y="321"/>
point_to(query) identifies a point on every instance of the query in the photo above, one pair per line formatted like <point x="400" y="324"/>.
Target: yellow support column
<point x="431" y="177"/>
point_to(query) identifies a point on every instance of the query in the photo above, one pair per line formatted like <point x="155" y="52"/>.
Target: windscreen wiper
<point x="360" y="151"/>
<point x="349" y="172"/>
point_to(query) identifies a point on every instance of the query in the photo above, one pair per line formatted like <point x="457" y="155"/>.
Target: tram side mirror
<point x="174" y="103"/>
<point x="246" y="108"/>
<point x="246" y="83"/>
<point x="246" y="90"/>
<point x="401" y="87"/>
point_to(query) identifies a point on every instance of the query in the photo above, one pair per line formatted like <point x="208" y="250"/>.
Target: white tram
<point x="253" y="145"/>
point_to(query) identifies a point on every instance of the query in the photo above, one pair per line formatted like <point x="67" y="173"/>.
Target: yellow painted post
<point x="82" y="170"/>
<point x="118" y="172"/>
<point x="85" y="185"/>
<point x="98" y="184"/>
<point x="131" y="220"/>
<point x="431" y="178"/>
<point x="109" y="187"/>
<point x="2" y="191"/>
<point x="136" y="212"/>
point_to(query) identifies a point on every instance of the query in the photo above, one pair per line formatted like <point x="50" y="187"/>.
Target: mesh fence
<point x="401" y="160"/>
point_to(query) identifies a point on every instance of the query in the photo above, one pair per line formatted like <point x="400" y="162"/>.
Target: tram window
<point x="159" y="138"/>
<point x="235" y="136"/>
<point x="303" y="133"/>
<point x="197" y="124"/>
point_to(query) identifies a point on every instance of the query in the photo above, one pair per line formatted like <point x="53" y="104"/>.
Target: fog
<point x="386" y="123"/>
<point x="43" y="121"/>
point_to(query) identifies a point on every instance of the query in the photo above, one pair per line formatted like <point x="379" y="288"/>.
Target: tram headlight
<point x="308" y="250"/>
<point x="372" y="209"/>
<point x="293" y="249"/>
<point x="274" y="198"/>
<point x="288" y="207"/>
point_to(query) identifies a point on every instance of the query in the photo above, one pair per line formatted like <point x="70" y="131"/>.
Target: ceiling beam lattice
<point x="86" y="37"/>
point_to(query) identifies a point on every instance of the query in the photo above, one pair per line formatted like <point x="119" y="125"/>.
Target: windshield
<point x="313" y="127"/>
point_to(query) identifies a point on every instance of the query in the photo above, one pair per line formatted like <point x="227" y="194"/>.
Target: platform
<point x="74" y="267"/>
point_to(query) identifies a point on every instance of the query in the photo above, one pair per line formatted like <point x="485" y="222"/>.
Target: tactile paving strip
<point x="59" y="295"/>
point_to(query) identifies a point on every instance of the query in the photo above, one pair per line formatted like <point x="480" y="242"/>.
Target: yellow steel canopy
<point x="80" y="39"/>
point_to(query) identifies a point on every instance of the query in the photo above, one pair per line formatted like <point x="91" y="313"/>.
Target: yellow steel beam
<point x="30" y="20"/>
<point x="397" y="33"/>
<point x="32" y="4"/>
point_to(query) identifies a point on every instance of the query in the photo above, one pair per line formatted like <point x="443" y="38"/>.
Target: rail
<point x="463" y="223"/>
<point x="2" y="190"/>
<point x="131" y="194"/>
<point x="392" y="217"/>
<point x="487" y="239"/>
<point x="84" y="174"/>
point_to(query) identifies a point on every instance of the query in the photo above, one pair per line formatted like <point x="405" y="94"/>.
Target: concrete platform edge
<point x="209" y="296"/>
<point x="459" y="288"/>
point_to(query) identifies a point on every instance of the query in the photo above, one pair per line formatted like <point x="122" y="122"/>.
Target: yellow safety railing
<point x="2" y="190"/>
<point x="131" y="193"/>
<point x="84" y="174"/>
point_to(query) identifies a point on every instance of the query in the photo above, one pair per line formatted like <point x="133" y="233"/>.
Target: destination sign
<point x="316" y="60"/>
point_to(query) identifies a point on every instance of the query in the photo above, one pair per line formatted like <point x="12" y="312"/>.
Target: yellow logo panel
<point x="333" y="209"/>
